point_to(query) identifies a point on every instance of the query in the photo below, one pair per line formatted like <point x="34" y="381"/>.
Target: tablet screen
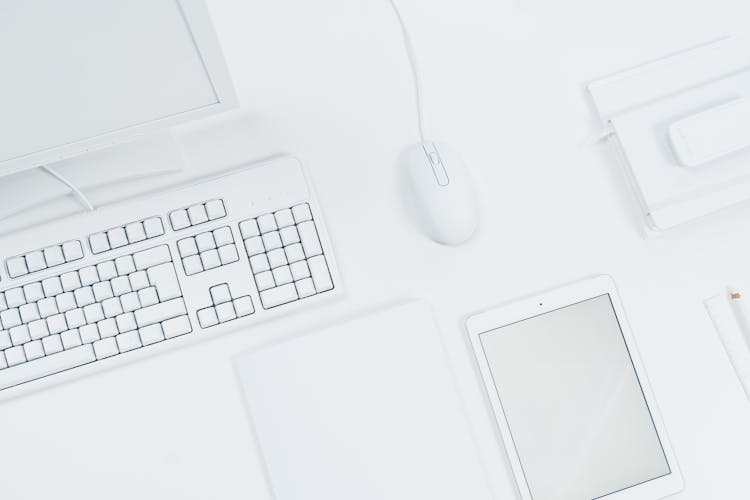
<point x="576" y="411"/>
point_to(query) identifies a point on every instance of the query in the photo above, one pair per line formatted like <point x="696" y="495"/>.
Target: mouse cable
<point x="77" y="193"/>
<point x="413" y="63"/>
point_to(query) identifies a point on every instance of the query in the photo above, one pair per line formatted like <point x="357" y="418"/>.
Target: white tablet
<point x="571" y="397"/>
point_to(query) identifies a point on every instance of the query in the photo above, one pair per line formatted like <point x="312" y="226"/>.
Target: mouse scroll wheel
<point x="439" y="170"/>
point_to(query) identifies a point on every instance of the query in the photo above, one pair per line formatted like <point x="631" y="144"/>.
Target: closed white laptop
<point x="366" y="410"/>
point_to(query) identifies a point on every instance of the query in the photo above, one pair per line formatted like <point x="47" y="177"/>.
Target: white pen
<point x="741" y="311"/>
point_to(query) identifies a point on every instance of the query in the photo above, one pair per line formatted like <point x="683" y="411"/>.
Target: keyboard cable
<point x="414" y="69"/>
<point x="77" y="193"/>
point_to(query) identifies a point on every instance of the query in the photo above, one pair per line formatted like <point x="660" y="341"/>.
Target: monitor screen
<point x="574" y="405"/>
<point x="79" y="70"/>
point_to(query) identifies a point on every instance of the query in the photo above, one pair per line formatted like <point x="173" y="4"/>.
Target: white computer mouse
<point x="443" y="192"/>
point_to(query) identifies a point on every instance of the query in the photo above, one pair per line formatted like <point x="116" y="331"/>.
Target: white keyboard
<point x="128" y="280"/>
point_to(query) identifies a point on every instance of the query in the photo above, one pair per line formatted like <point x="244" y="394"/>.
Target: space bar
<point x="48" y="365"/>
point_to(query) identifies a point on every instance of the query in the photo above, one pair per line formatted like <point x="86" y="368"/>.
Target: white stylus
<point x="741" y="312"/>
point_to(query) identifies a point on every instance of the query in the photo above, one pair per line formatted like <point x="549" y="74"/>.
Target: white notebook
<point x="366" y="410"/>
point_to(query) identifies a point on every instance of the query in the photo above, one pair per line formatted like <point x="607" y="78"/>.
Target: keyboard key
<point x="259" y="263"/>
<point x="107" y="328"/>
<point x="35" y="261"/>
<point x="107" y="270"/>
<point x="88" y="276"/>
<point x="192" y="265"/>
<point x="84" y="296"/>
<point x="94" y="313"/>
<point x="45" y="366"/>
<point x="179" y="219"/>
<point x="102" y="291"/>
<point x="17" y="267"/>
<point x="3" y="363"/>
<point x="282" y="275"/>
<point x="112" y="307"/>
<point x="10" y="318"/>
<point x="99" y="243"/>
<point x="294" y="252"/>
<point x="14" y="356"/>
<point x="38" y="329"/>
<point x="126" y="322"/>
<point x="52" y="344"/>
<point x="70" y="339"/>
<point x="223" y="236"/>
<point x="320" y="274"/>
<point x="215" y="209"/>
<point x="19" y="334"/>
<point x="3" y="303"/>
<point x="305" y="287"/>
<point x="187" y="247"/>
<point x="47" y="307"/>
<point x="75" y="318"/>
<point x="66" y="302"/>
<point x="152" y="257"/>
<point x="72" y="250"/>
<point x="284" y="218"/>
<point x="249" y="228"/>
<point x="279" y="295"/>
<point x="56" y="324"/>
<point x="264" y="280"/>
<point x="301" y="213"/>
<point x="176" y="326"/>
<point x="29" y="313"/>
<point x="54" y="256"/>
<point x="135" y="232"/>
<point x="272" y="240"/>
<point x="120" y="285"/>
<point x="5" y="341"/>
<point x="243" y="306"/>
<point x="277" y="258"/>
<point x="117" y="237"/>
<point x="153" y="227"/>
<point x="254" y="246"/>
<point x="309" y="236"/>
<point x="52" y="287"/>
<point x="289" y="235"/>
<point x="124" y="265"/>
<point x="33" y="350"/>
<point x="300" y="270"/>
<point x="220" y="294"/>
<point x="148" y="296"/>
<point x="225" y="312"/>
<point x="105" y="348"/>
<point x="130" y="302"/>
<point x="205" y="241"/>
<point x="210" y="259"/>
<point x="164" y="278"/>
<point x="70" y="281"/>
<point x="266" y="223"/>
<point x="128" y="341"/>
<point x="15" y="297"/>
<point x="228" y="254"/>
<point x="151" y="334"/>
<point x="89" y="334"/>
<point x="160" y="312"/>
<point x="207" y="317"/>
<point x="197" y="214"/>
<point x="138" y="280"/>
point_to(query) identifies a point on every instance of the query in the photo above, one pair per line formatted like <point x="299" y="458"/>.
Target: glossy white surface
<point x="329" y="82"/>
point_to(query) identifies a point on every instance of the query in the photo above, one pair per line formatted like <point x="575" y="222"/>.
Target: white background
<point x="328" y="82"/>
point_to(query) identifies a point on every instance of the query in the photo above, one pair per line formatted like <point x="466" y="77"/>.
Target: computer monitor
<point x="82" y="75"/>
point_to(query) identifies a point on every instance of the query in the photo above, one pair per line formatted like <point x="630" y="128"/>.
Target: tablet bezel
<point x="552" y="300"/>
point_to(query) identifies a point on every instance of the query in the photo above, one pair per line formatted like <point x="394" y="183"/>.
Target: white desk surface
<point x="328" y="82"/>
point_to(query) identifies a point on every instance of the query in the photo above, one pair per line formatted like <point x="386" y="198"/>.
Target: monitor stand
<point x="152" y="155"/>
